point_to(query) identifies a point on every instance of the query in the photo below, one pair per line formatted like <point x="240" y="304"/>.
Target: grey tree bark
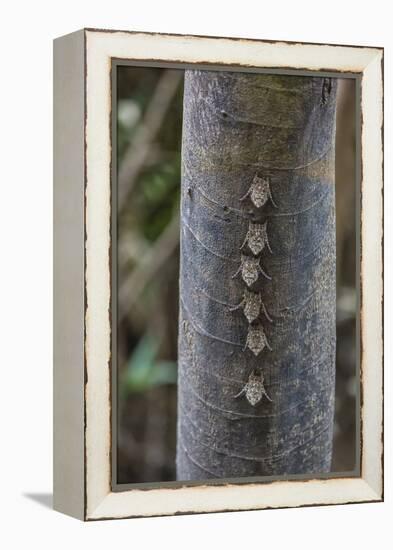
<point x="256" y="382"/>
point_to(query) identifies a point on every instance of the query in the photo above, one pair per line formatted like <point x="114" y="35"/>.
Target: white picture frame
<point x="82" y="241"/>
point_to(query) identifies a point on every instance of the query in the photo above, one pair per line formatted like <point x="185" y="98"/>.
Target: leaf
<point x="144" y="371"/>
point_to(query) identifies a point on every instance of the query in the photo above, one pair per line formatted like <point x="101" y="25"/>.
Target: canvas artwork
<point x="237" y="303"/>
<point x="218" y="274"/>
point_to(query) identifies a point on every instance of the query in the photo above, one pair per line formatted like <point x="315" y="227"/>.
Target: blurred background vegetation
<point x="149" y="123"/>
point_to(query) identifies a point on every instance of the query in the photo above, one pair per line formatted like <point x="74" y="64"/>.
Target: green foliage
<point x="159" y="198"/>
<point x="157" y="190"/>
<point x="150" y="208"/>
<point x="143" y="370"/>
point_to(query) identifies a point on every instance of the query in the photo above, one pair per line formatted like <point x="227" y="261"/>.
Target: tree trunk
<point x="256" y="382"/>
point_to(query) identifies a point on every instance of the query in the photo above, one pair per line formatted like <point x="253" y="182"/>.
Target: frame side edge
<point x="373" y="275"/>
<point x="68" y="271"/>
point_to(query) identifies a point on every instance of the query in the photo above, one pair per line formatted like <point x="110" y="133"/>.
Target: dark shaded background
<point x="149" y="120"/>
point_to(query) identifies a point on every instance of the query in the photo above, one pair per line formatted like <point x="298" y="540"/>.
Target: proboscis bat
<point x="254" y="389"/>
<point x="259" y="192"/>
<point x="250" y="270"/>
<point x="256" y="339"/>
<point x="257" y="238"/>
<point x="252" y="305"/>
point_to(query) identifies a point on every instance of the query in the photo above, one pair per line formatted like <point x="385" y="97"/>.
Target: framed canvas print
<point x="218" y="333"/>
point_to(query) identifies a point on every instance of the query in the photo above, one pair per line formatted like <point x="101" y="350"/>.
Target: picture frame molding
<point x="83" y="327"/>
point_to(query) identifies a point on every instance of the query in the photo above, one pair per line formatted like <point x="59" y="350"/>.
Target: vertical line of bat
<point x="256" y="240"/>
